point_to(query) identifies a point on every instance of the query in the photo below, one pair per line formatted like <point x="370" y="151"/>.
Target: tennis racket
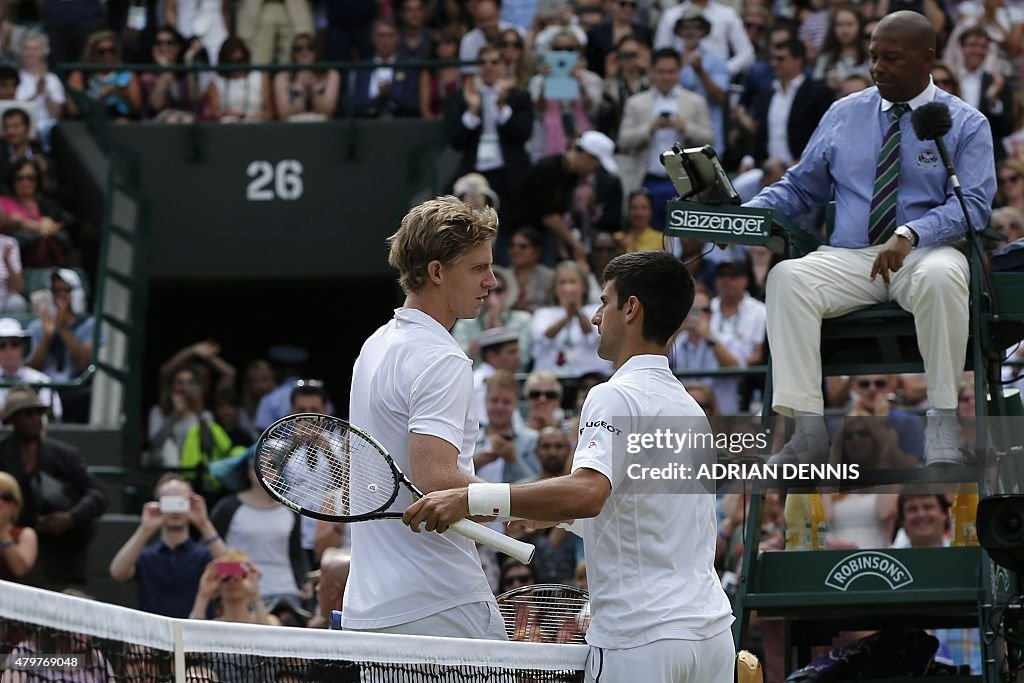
<point x="325" y="468"/>
<point x="546" y="613"/>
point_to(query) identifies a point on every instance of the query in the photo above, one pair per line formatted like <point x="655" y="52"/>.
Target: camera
<point x="227" y="568"/>
<point x="171" y="504"/>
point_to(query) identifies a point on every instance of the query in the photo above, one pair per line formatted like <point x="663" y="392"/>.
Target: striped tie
<point x="882" y="222"/>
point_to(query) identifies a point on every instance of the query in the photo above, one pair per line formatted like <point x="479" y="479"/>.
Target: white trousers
<point x="666" y="661"/>
<point x="830" y="282"/>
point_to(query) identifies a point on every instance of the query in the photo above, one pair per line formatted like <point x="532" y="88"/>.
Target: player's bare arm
<point x="434" y="464"/>
<point x="579" y="495"/>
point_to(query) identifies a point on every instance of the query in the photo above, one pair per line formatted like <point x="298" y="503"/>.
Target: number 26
<point x="269" y="182"/>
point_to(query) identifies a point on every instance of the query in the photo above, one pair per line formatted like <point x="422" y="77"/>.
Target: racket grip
<point x="494" y="539"/>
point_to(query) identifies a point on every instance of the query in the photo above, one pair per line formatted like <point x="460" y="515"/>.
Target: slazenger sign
<point x="869" y="563"/>
<point x="717" y="223"/>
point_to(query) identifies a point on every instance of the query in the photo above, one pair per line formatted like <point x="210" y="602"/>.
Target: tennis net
<point x="47" y="636"/>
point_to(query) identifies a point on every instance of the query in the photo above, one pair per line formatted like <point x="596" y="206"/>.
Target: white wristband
<point x="490" y="500"/>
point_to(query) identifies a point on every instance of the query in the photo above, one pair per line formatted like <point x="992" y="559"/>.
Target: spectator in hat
<point x="14" y="347"/>
<point x="167" y="572"/>
<point x="580" y="183"/>
<point x="289" y="363"/>
<point x="727" y="37"/>
<point x="656" y="119"/>
<point x="497" y="312"/>
<point x="704" y="71"/>
<point x="499" y="350"/>
<point x="62" y="341"/>
<point x="474" y="190"/>
<point x="62" y="500"/>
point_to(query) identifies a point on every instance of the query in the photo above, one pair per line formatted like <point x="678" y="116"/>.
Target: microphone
<point x="931" y="121"/>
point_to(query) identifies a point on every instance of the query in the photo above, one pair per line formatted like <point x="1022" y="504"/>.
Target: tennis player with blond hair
<point x="412" y="388"/>
<point x="659" y="612"/>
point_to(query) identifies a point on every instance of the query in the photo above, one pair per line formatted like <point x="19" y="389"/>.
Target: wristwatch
<point x="907" y="234"/>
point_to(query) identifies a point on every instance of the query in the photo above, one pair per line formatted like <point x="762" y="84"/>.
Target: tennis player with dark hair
<point x="412" y="388"/>
<point x="659" y="612"/>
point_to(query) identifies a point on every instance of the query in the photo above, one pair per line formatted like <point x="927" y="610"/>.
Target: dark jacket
<point x="512" y="137"/>
<point x="599" y="44"/>
<point x="62" y="558"/>
<point x="403" y="100"/>
<point x="812" y="100"/>
<point x="63" y="462"/>
<point x="1001" y="123"/>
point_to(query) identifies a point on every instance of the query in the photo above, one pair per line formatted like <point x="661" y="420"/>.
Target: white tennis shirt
<point x="412" y="376"/>
<point x="650" y="557"/>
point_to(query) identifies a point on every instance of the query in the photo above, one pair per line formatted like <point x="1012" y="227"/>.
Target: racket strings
<point x="325" y="468"/>
<point x="546" y="615"/>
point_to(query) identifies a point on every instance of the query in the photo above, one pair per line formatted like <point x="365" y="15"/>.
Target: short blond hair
<point x="9" y="483"/>
<point x="440" y="229"/>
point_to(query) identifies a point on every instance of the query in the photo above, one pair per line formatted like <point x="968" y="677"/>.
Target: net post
<point x="179" y="652"/>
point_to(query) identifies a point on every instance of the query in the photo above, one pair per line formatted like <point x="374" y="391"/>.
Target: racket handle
<point x="494" y="539"/>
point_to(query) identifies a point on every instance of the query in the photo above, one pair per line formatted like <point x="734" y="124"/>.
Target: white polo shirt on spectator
<point x="412" y="376"/>
<point x="741" y="334"/>
<point x="650" y="558"/>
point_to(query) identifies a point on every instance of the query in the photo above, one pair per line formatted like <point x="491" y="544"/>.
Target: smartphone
<point x="665" y="115"/>
<point x="169" y="504"/>
<point x="560" y="84"/>
<point x="227" y="568"/>
<point x="42" y="300"/>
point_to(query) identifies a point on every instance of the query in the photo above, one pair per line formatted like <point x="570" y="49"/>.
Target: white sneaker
<point x="941" y="445"/>
<point x="809" y="444"/>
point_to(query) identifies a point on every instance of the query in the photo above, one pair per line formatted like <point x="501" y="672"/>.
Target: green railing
<point x="121" y="291"/>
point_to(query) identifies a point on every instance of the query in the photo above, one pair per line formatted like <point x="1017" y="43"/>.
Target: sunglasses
<point x="1010" y="178"/>
<point x="8" y="497"/>
<point x="550" y="395"/>
<point x="25" y="176"/>
<point x="857" y="434"/>
<point x="866" y="383"/>
<point x="491" y="62"/>
<point x="10" y="344"/>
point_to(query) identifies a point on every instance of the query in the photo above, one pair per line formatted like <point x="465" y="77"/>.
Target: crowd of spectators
<point x="557" y="120"/>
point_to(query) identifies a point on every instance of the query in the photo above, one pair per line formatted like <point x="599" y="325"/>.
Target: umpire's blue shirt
<point x="168" y="578"/>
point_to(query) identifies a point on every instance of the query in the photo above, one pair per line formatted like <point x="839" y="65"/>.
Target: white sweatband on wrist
<point x="490" y="500"/>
